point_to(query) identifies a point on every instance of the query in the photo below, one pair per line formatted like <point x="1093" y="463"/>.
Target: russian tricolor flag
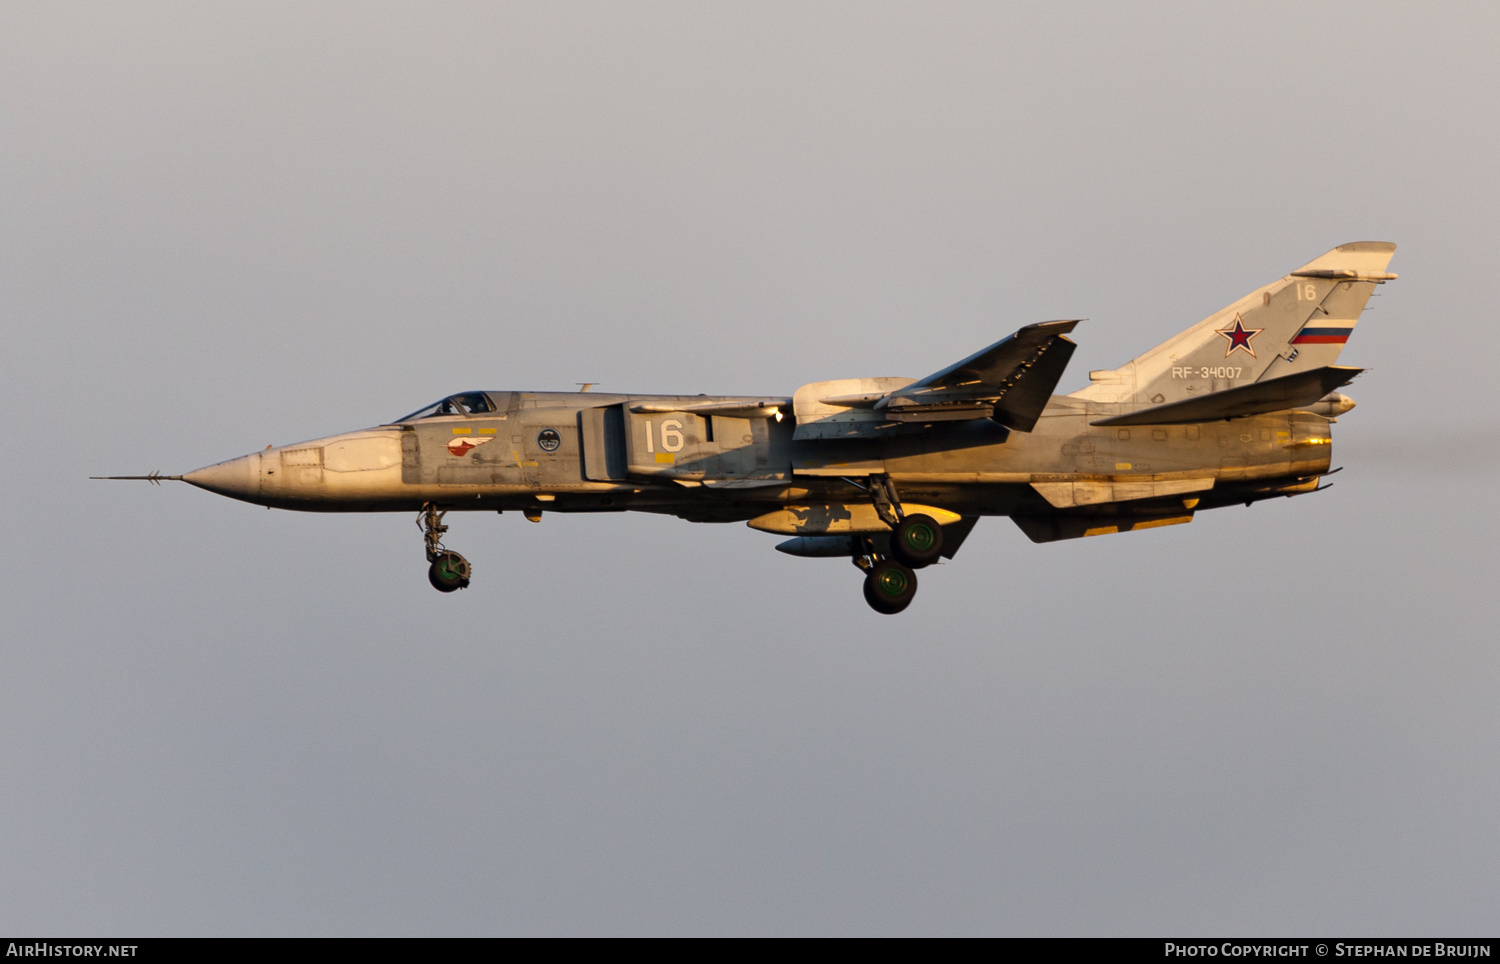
<point x="1323" y="336"/>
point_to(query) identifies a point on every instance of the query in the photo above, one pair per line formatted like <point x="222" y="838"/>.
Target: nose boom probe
<point x="155" y="478"/>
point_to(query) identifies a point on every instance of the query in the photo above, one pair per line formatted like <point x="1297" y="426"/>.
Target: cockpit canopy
<point x="469" y="403"/>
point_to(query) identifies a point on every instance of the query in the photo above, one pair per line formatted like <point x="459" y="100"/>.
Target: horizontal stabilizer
<point x="1273" y="395"/>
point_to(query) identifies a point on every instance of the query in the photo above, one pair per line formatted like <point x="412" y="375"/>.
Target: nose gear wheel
<point x="449" y="570"/>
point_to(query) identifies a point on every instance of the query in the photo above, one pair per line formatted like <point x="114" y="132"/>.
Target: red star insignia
<point x="1239" y="336"/>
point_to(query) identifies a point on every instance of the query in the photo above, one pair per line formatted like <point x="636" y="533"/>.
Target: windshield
<point x="469" y="403"/>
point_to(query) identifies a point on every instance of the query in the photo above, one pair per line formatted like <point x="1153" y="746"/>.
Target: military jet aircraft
<point x="892" y="473"/>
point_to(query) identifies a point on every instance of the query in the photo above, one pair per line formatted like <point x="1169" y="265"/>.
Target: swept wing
<point x="1010" y="381"/>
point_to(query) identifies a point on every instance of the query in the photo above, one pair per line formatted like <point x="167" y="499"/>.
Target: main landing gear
<point x="916" y="542"/>
<point x="449" y="570"/>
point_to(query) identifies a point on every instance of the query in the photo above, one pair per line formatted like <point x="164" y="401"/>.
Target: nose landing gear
<point x="449" y="570"/>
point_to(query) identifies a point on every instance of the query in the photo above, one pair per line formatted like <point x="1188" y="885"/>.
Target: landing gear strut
<point x="449" y="570"/>
<point x="916" y="540"/>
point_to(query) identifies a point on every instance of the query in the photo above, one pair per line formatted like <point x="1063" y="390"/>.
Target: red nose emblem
<point x="463" y="446"/>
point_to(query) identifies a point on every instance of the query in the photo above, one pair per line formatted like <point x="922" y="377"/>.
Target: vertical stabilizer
<point x="1298" y="323"/>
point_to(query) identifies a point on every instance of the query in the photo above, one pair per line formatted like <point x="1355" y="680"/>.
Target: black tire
<point x="917" y="541"/>
<point x="889" y="587"/>
<point x="449" y="571"/>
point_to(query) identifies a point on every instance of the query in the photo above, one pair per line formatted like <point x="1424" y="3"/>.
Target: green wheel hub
<point x="920" y="537"/>
<point x="889" y="587"/>
<point x="449" y="571"/>
<point x="917" y="541"/>
<point x="892" y="582"/>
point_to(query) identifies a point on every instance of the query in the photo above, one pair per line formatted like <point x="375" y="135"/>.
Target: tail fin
<point x="1296" y="324"/>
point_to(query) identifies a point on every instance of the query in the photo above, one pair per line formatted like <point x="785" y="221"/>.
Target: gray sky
<point x="223" y="226"/>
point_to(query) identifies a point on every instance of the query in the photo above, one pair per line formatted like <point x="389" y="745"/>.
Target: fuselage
<point x="889" y="472"/>
<point x="591" y="452"/>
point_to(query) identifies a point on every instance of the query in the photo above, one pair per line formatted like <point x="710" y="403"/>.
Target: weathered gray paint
<point x="736" y="458"/>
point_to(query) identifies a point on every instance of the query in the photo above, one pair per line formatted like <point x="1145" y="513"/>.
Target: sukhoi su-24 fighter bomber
<point x="892" y="473"/>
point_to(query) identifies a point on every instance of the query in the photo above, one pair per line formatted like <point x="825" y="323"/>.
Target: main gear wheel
<point x="890" y="586"/>
<point x="917" y="540"/>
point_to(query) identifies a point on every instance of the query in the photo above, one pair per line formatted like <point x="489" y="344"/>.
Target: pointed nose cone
<point x="237" y="478"/>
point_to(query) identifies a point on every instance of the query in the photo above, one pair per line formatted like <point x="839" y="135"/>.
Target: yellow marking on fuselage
<point x="1175" y="520"/>
<point x="463" y="431"/>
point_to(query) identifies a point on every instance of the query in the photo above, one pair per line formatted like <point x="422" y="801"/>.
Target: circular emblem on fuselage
<point x="548" y="440"/>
